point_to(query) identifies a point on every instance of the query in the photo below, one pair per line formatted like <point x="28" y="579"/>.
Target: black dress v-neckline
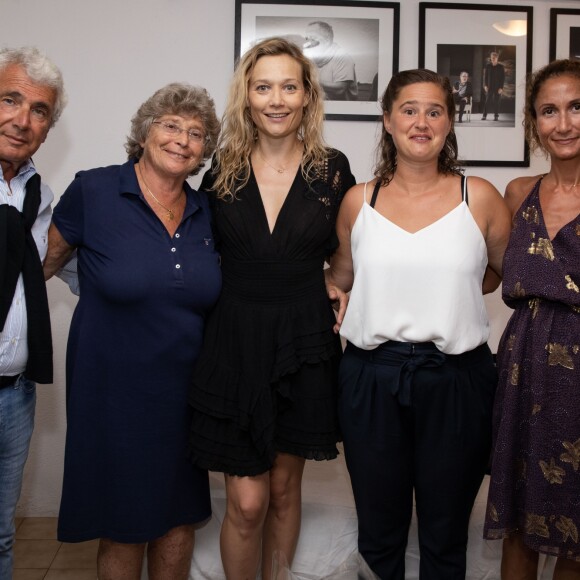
<point x="283" y="206"/>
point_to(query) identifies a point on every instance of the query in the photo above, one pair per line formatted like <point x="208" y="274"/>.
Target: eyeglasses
<point x="173" y="129"/>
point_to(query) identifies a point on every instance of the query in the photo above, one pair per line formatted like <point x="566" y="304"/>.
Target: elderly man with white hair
<point x="31" y="100"/>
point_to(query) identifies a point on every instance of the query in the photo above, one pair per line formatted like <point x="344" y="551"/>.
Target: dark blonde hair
<point x="535" y="82"/>
<point x="174" y="99"/>
<point x="232" y="167"/>
<point x="387" y="152"/>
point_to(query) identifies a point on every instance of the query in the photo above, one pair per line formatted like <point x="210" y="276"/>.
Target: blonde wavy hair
<point x="239" y="133"/>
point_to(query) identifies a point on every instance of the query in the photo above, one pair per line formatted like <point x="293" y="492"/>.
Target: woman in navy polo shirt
<point x="148" y="274"/>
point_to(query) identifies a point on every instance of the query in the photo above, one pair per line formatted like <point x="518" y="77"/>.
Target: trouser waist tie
<point x="402" y="386"/>
<point x="407" y="357"/>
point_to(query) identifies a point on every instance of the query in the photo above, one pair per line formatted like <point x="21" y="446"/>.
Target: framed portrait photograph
<point x="354" y="44"/>
<point x="486" y="52"/>
<point x="564" y="33"/>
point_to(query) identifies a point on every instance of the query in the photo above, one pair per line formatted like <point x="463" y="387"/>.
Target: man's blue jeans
<point x="17" y="405"/>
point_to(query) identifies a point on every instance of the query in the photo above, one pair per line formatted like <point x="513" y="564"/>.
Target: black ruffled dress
<point x="266" y="377"/>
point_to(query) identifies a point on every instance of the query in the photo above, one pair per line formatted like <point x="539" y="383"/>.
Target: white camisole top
<point x="420" y="287"/>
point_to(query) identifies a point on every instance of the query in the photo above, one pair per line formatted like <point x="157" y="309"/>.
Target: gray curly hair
<point x="174" y="99"/>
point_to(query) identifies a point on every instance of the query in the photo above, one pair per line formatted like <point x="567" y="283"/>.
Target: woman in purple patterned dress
<point x="534" y="497"/>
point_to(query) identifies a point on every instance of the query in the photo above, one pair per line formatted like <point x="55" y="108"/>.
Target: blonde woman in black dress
<point x="264" y="391"/>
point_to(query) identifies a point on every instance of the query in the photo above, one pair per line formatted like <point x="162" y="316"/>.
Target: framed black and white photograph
<point x="564" y="33"/>
<point x="486" y="52"/>
<point x="355" y="46"/>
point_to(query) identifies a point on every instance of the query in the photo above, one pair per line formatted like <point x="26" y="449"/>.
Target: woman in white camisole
<point x="417" y="379"/>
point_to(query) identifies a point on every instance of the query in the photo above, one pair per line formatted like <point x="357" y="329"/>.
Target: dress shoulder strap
<point x="375" y="193"/>
<point x="464" y="195"/>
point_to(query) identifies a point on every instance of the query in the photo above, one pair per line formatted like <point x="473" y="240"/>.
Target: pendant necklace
<point x="282" y="170"/>
<point x="170" y="214"/>
<point x="276" y="169"/>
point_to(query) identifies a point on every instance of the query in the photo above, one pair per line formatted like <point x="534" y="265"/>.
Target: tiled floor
<point x="38" y="555"/>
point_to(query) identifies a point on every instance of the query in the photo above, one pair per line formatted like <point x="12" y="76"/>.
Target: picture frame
<point x="354" y="43"/>
<point x="564" y="33"/>
<point x="493" y="45"/>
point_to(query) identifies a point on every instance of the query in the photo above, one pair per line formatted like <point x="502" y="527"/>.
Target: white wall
<point x="116" y="53"/>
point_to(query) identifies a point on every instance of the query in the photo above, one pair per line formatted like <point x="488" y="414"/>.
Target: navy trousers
<point x="416" y="420"/>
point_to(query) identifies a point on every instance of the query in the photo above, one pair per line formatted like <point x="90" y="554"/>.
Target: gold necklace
<point x="170" y="213"/>
<point x="281" y="170"/>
